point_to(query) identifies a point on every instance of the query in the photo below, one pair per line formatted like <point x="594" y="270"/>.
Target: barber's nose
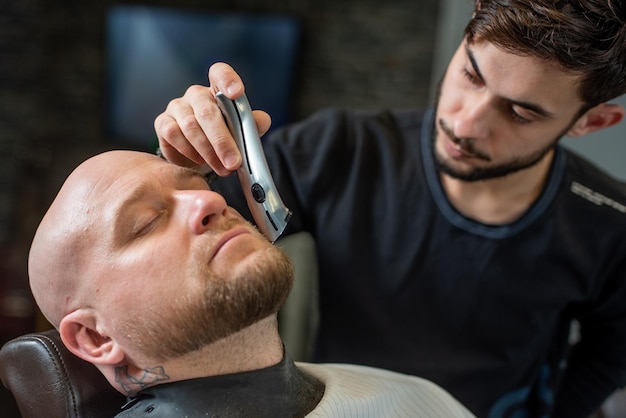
<point x="204" y="208"/>
<point x="473" y="120"/>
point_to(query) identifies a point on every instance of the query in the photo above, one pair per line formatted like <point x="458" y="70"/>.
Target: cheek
<point x="152" y="269"/>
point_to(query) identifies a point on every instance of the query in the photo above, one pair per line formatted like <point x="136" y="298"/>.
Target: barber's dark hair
<point x="586" y="37"/>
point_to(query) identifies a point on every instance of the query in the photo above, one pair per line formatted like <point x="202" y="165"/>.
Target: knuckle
<point x="168" y="129"/>
<point x="174" y="104"/>
<point x="194" y="90"/>
<point x="220" y="142"/>
<point x="188" y="123"/>
<point x="206" y="111"/>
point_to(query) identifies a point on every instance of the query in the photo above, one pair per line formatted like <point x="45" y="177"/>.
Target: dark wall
<point x="356" y="53"/>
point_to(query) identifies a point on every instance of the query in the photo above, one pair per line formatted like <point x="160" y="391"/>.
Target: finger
<point x="173" y="144"/>
<point x="263" y="121"/>
<point x="181" y="135"/>
<point x="172" y="141"/>
<point x="202" y="123"/>
<point x="222" y="77"/>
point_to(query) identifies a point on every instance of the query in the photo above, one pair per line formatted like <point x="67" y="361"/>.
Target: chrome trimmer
<point x="268" y="210"/>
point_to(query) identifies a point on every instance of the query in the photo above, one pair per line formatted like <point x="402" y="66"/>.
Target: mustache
<point x="466" y="144"/>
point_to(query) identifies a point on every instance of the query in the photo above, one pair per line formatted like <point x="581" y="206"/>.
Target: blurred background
<point x="81" y="77"/>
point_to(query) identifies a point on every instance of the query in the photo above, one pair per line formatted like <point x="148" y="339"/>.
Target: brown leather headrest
<point x="49" y="381"/>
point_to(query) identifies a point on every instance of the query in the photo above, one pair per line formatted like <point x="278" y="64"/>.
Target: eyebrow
<point x="526" y="105"/>
<point x="180" y="174"/>
<point x="184" y="173"/>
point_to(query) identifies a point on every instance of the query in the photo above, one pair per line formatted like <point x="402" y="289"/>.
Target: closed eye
<point x="145" y="226"/>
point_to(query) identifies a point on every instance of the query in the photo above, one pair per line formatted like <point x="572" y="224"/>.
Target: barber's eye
<point x="517" y="117"/>
<point x="471" y="77"/>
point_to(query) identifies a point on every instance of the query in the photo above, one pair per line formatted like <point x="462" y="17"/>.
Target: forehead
<point x="524" y="78"/>
<point x="146" y="170"/>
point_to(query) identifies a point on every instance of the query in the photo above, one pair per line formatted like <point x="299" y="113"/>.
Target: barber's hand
<point x="192" y="130"/>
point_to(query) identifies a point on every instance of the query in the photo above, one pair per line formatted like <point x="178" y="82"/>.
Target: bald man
<point x="173" y="296"/>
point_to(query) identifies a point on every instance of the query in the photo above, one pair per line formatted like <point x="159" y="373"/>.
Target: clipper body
<point x="268" y="210"/>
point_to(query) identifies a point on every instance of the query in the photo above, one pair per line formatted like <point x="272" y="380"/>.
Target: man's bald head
<point x="137" y="261"/>
<point x="63" y="246"/>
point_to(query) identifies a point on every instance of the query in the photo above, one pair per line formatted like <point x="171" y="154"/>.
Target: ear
<point x="79" y="332"/>
<point x="599" y="117"/>
<point x="476" y="8"/>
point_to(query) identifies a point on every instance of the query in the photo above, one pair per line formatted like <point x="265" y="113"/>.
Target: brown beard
<point x="227" y="305"/>
<point x="488" y="172"/>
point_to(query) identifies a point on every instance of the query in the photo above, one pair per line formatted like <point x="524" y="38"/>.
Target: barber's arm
<point x="597" y="364"/>
<point x="192" y="130"/>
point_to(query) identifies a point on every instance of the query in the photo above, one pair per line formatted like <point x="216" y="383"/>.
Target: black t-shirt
<point x="409" y="284"/>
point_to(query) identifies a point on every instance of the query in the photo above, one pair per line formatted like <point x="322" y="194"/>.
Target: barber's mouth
<point x="455" y="150"/>
<point x="454" y="146"/>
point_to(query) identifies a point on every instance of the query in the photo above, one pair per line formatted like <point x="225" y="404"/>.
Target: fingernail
<point x="232" y="88"/>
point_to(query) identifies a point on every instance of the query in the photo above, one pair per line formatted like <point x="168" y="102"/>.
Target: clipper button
<point x="258" y="193"/>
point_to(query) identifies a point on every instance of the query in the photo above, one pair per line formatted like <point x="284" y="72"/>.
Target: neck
<point x="255" y="347"/>
<point x="500" y="200"/>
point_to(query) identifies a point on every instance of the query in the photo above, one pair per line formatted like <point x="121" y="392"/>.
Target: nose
<point x="204" y="208"/>
<point x="472" y="120"/>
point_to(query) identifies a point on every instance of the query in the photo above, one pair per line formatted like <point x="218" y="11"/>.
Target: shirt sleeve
<point x="597" y="364"/>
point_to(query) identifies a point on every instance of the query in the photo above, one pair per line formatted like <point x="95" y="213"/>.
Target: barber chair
<point x="48" y="381"/>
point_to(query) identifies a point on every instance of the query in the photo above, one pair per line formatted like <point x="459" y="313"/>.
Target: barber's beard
<point x="226" y="306"/>
<point x="485" y="172"/>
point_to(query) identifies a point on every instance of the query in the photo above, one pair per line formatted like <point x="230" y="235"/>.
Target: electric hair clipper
<point x="269" y="212"/>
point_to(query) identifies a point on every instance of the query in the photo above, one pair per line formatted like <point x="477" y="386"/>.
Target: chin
<point x="247" y="257"/>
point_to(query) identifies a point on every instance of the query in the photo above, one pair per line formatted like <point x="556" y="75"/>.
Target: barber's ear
<point x="79" y="333"/>
<point x="599" y="117"/>
<point x="476" y="8"/>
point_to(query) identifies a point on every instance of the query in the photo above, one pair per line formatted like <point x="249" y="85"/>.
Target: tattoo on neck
<point x="133" y="384"/>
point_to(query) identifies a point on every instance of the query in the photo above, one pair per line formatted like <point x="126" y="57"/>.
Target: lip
<point x="225" y="238"/>
<point x="453" y="150"/>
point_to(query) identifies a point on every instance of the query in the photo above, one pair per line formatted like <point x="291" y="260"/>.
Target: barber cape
<point x="367" y="392"/>
<point x="290" y="390"/>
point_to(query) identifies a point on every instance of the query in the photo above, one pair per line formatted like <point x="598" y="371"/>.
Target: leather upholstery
<point x="49" y="381"/>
